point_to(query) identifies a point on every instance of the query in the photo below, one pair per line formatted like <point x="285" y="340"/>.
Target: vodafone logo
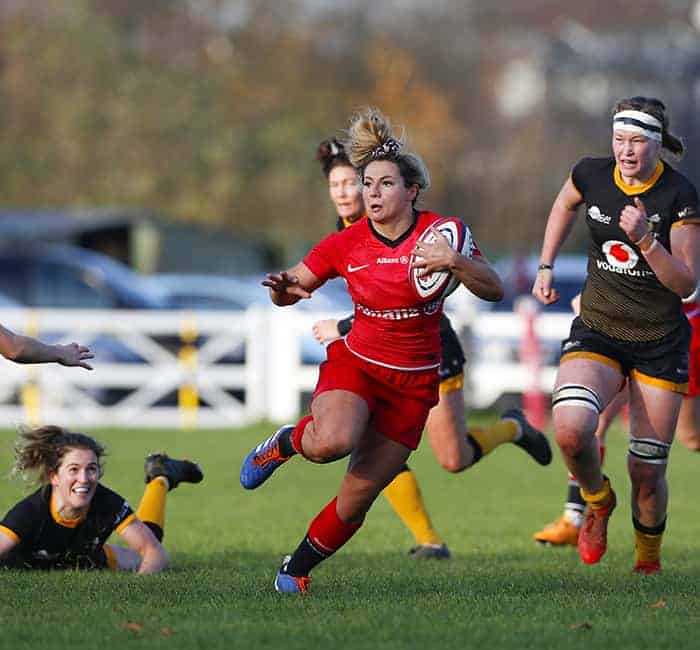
<point x="620" y="255"/>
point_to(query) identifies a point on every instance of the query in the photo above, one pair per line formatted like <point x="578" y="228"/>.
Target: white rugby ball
<point x="441" y="283"/>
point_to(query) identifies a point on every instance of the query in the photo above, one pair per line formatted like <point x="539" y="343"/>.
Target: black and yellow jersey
<point x="622" y="296"/>
<point x="46" y="541"/>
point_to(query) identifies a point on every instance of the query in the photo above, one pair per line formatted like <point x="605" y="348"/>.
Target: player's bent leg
<point x="337" y="420"/>
<point x="584" y="387"/>
<point x="373" y="464"/>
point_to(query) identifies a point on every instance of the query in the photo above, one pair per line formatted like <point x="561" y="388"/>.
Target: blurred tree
<point x="211" y="110"/>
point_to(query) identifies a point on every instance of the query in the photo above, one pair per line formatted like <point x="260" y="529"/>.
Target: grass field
<point x="499" y="591"/>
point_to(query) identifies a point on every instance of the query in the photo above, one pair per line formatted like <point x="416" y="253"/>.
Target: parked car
<point x="59" y="276"/>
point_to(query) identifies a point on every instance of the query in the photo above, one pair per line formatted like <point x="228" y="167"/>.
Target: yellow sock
<point x="403" y="494"/>
<point x="597" y="500"/>
<point x="152" y="506"/>
<point x="648" y="547"/>
<point x="491" y="437"/>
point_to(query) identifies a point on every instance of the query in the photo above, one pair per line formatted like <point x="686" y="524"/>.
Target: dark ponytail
<point x="331" y="153"/>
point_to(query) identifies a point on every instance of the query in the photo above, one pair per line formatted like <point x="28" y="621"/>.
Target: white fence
<point x="202" y="369"/>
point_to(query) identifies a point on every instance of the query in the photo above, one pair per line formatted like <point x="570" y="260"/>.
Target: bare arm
<point x="288" y="287"/>
<point x="139" y="538"/>
<point x="7" y="543"/>
<point x="561" y="219"/>
<point x="478" y="276"/>
<point x="25" y="349"/>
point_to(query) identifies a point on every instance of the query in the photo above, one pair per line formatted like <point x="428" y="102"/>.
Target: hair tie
<point x="390" y="147"/>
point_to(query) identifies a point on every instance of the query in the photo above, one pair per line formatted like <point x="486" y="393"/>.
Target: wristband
<point x="345" y="325"/>
<point x="641" y="240"/>
<point x="650" y="247"/>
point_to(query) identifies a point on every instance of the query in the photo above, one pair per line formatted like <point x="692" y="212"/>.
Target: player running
<point x="642" y="217"/>
<point x="455" y="446"/>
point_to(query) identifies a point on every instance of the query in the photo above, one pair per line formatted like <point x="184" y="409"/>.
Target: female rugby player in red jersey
<point x="378" y="384"/>
<point x="456" y="448"/>
<point x="65" y="524"/>
<point x="642" y="217"/>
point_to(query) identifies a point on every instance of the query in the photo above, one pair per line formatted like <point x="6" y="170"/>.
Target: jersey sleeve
<point x="324" y="258"/>
<point x="685" y="209"/>
<point x="579" y="174"/>
<point x="117" y="508"/>
<point x="19" y="521"/>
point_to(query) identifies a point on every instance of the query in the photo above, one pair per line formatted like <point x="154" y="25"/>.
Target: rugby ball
<point x="440" y="284"/>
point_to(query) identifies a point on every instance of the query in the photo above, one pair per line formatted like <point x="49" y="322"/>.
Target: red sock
<point x="298" y="432"/>
<point x="328" y="532"/>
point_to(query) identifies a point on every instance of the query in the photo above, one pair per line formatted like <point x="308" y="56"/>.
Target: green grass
<point x="499" y="591"/>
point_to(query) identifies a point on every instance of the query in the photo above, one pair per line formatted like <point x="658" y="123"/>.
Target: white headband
<point x="638" y="122"/>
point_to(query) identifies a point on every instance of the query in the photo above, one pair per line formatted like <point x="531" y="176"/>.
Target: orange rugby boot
<point x="560" y="532"/>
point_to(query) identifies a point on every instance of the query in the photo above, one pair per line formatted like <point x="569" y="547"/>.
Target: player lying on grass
<point x="65" y="524"/>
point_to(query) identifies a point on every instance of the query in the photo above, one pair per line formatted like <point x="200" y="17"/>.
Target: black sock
<point x="305" y="558"/>
<point x="478" y="453"/>
<point x="156" y="530"/>
<point x="285" y="443"/>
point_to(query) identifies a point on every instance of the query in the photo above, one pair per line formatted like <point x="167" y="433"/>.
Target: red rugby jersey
<point x="392" y="326"/>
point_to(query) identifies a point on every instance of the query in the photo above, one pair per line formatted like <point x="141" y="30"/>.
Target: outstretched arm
<point x="288" y="287"/>
<point x="25" y="349"/>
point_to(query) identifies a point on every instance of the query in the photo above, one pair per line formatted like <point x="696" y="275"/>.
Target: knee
<point x="327" y="443"/>
<point x="572" y="441"/>
<point x="690" y="440"/>
<point x="574" y="430"/>
<point x="452" y="463"/>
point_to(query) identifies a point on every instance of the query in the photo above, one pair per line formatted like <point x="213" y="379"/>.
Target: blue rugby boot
<point x="263" y="460"/>
<point x="289" y="584"/>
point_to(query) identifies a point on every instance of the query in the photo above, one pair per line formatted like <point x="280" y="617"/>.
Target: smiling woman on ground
<point x="65" y="524"/>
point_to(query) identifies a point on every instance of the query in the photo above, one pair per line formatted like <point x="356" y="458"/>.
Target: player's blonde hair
<point x="40" y="451"/>
<point x="370" y="138"/>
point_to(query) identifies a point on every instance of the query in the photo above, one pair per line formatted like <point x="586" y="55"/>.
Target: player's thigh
<point x="653" y="411"/>
<point x="447" y="427"/>
<point x="688" y="426"/>
<point x="340" y="417"/>
<point x="583" y="389"/>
